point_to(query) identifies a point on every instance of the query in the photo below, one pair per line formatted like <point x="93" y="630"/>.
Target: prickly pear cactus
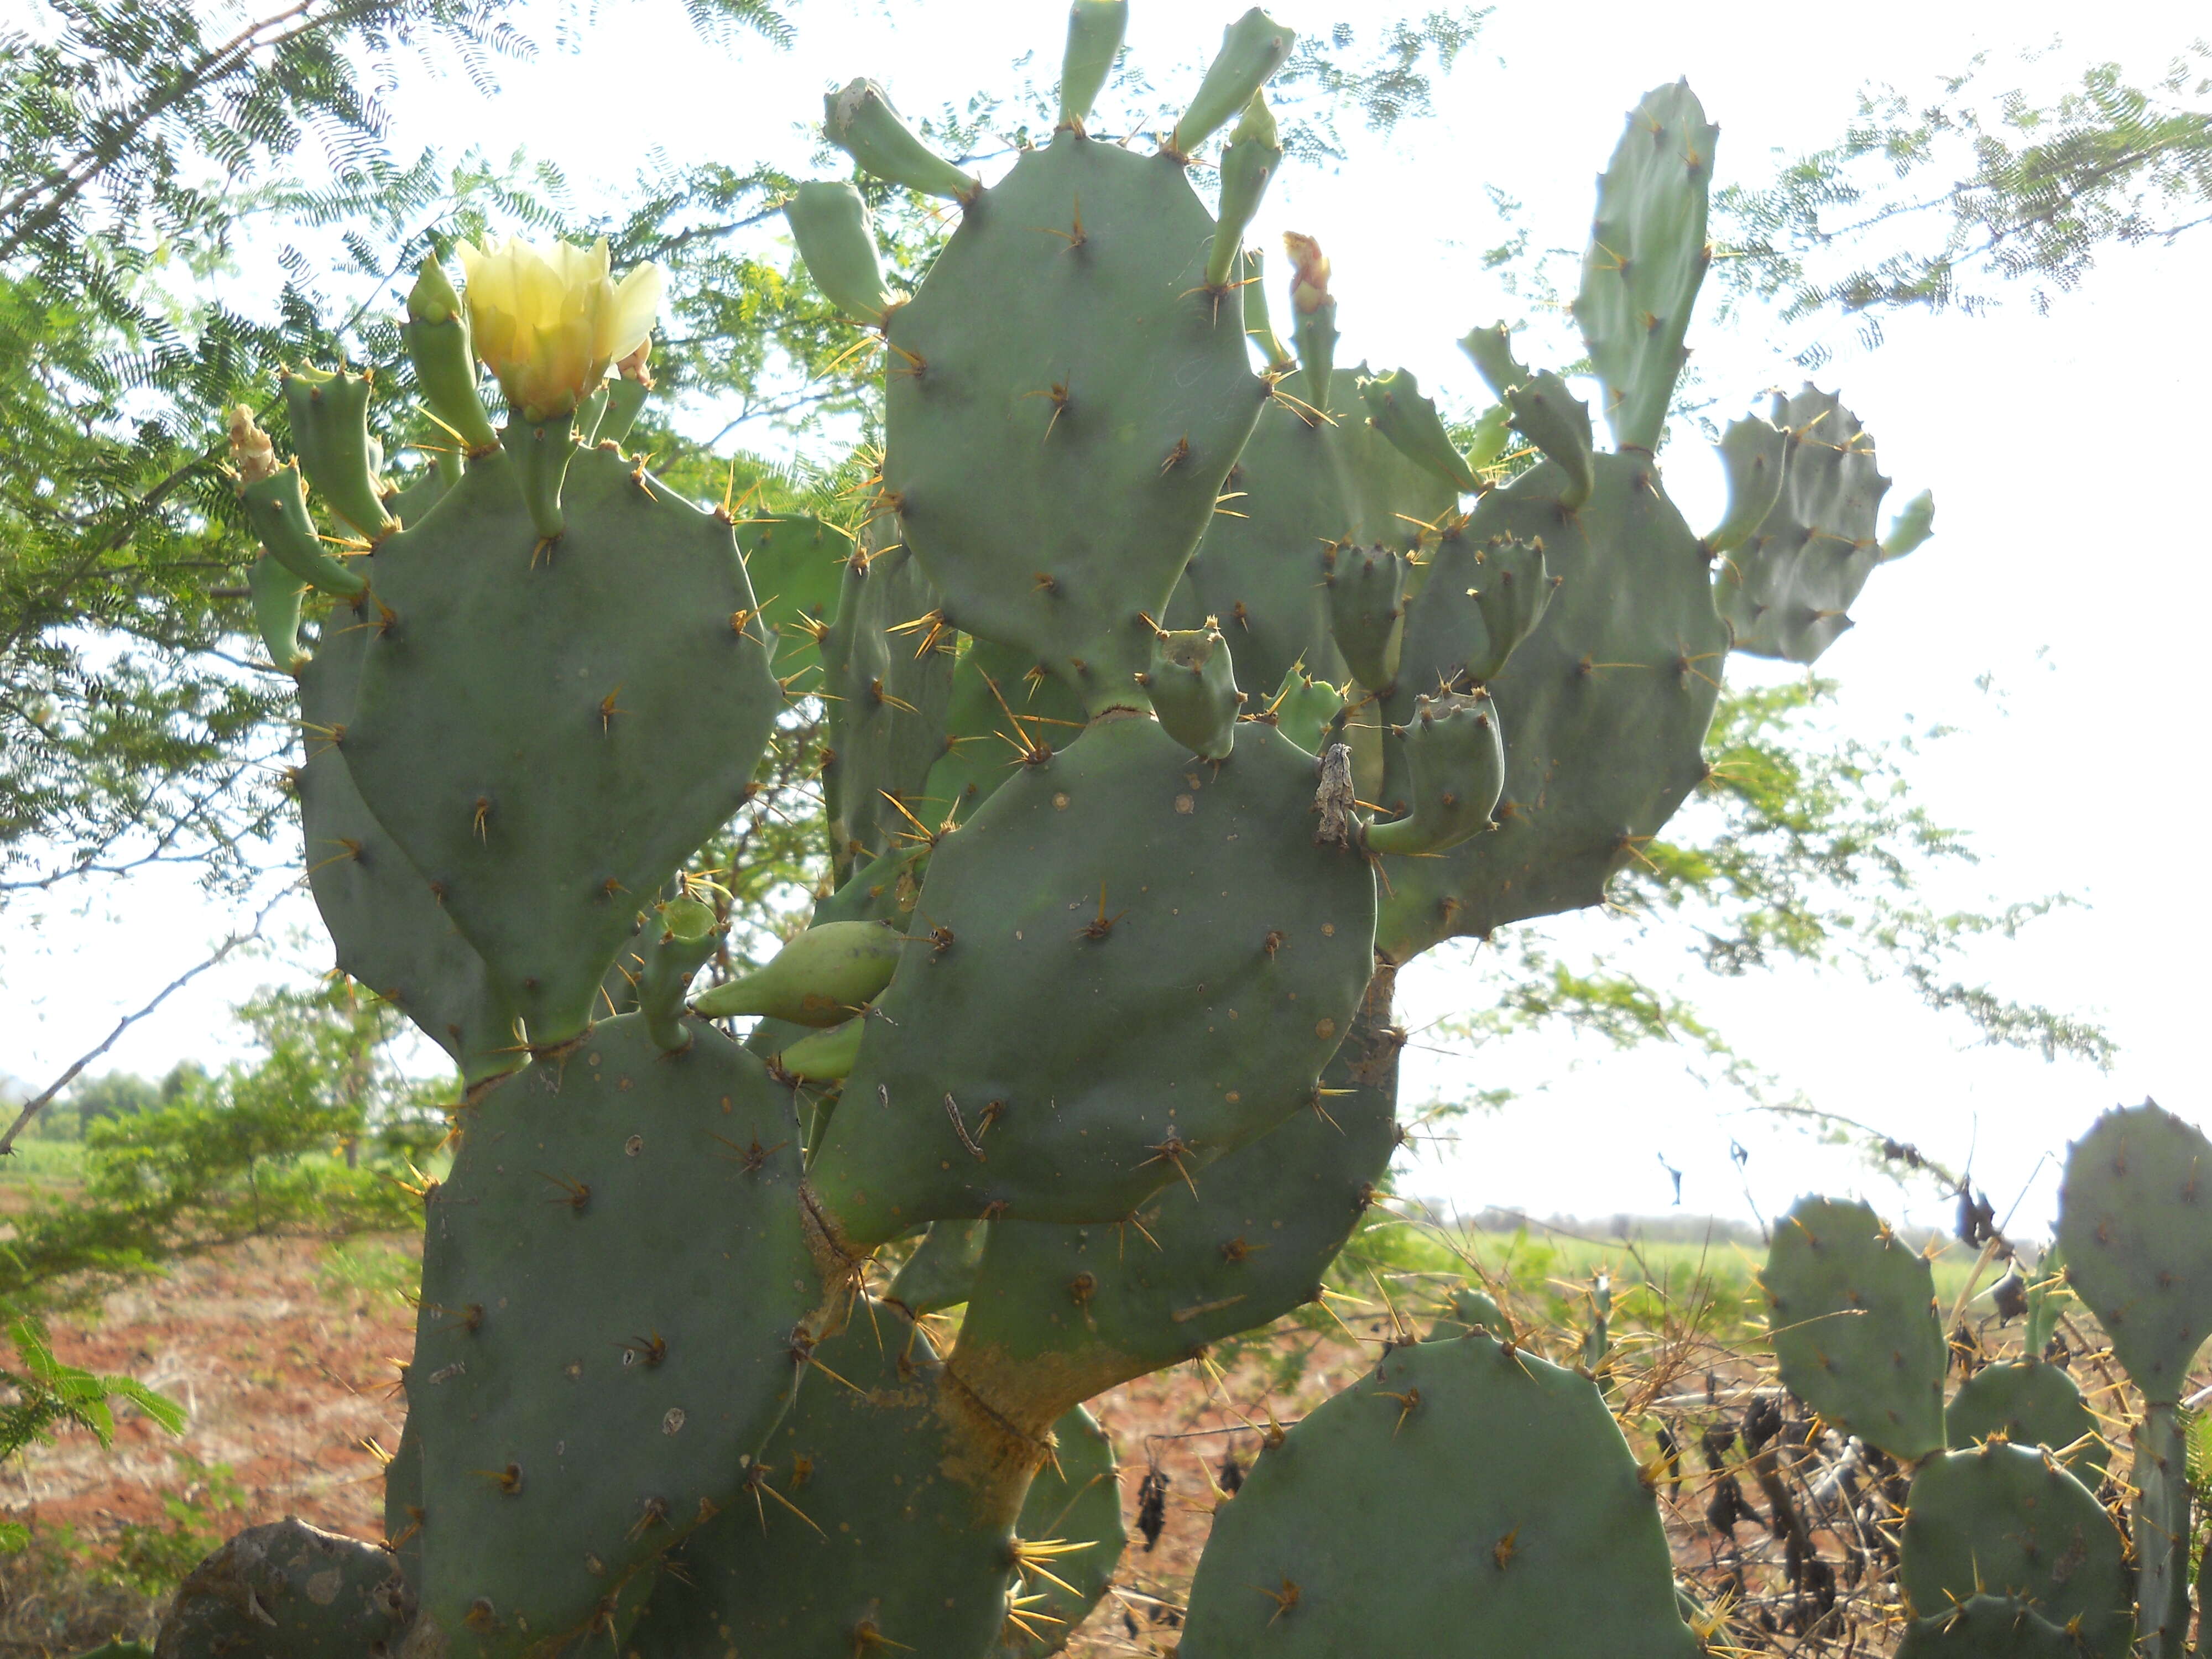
<point x="1457" y="1500"/>
<point x="1853" y="1325"/>
<point x="1175" y="695"/>
<point x="2028" y="1403"/>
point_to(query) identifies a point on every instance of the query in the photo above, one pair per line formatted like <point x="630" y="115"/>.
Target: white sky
<point x="2070" y="566"/>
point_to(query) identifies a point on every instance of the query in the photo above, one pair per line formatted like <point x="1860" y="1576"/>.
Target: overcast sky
<point x="2054" y="621"/>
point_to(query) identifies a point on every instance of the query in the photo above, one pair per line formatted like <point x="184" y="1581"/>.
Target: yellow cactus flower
<point x="550" y="320"/>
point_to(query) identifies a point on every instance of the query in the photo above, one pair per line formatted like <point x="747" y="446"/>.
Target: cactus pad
<point x="1987" y="1627"/>
<point x="1854" y="1325"/>
<point x="1074" y="1503"/>
<point x="1603" y="706"/>
<point x="390" y="932"/>
<point x="1788" y="590"/>
<point x="610" y="1281"/>
<point x="2003" y="1520"/>
<point x="1462" y="1498"/>
<point x="1059" y="1313"/>
<point x="1051" y="480"/>
<point x="1136" y="961"/>
<point x="2028" y="1403"/>
<point x="617" y="693"/>
<point x="856" y="1531"/>
<point x="2135" y="1221"/>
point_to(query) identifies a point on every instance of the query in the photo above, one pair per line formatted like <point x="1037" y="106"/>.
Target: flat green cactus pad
<point x="1646" y="259"/>
<point x="2029" y="1403"/>
<point x="853" y="1532"/>
<point x="1059" y="1313"/>
<point x="1788" y="590"/>
<point x="796" y="565"/>
<point x="1073" y="1518"/>
<point x="390" y="932"/>
<point x="288" y="1590"/>
<point x="1127" y="964"/>
<point x="1987" y="1627"/>
<point x="1854" y="1325"/>
<point x="2008" y="1520"/>
<point x="941" y="1272"/>
<point x="610" y="1281"/>
<point x="550" y="731"/>
<point x="1462" y="1499"/>
<point x="1052" y="479"/>
<point x="2135" y="1221"/>
<point x="1604" y="707"/>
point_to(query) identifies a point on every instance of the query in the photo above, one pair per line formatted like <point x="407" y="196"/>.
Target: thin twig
<point x="38" y="1102"/>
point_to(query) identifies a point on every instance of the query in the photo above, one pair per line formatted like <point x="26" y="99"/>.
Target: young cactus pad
<point x="2028" y="1402"/>
<point x="1852" y="1312"/>
<point x="1465" y="1498"/>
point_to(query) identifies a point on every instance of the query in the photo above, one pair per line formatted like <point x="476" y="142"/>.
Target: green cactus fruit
<point x="1455" y="768"/>
<point x="1455" y="1501"/>
<point x="1003" y="707"/>
<point x="1987" y="1627"/>
<point x="1366" y="603"/>
<point x="288" y="1590"/>
<point x="2002" y="1520"/>
<point x="1788" y="590"/>
<point x="1604" y="706"/>
<point x="619" y="695"/>
<point x="1914" y="524"/>
<point x="1303" y="709"/>
<point x="1059" y="1314"/>
<point x="942" y="1269"/>
<point x="819" y="979"/>
<point x="1753" y="454"/>
<point x="611" y="1279"/>
<point x="1253" y="153"/>
<point x="862" y="1527"/>
<point x="1252" y="49"/>
<point x="1062" y="1041"/>
<point x="1302" y="490"/>
<point x="826" y="1056"/>
<point x="436" y="333"/>
<point x="859" y="120"/>
<point x="276" y="508"/>
<point x="2135" y="1221"/>
<point x="1193" y="685"/>
<point x="1558" y="423"/>
<point x="1853" y="1327"/>
<point x="389" y="928"/>
<point x="1095" y="28"/>
<point x="796" y="565"/>
<point x="625" y="403"/>
<point x="1050" y="476"/>
<point x="836" y="239"/>
<point x="2028" y="1403"/>
<point x="329" y="415"/>
<point x="1071" y="1522"/>
<point x="276" y="593"/>
<point x="1396" y="409"/>
<point x="1476" y="603"/>
<point x="1647" y="257"/>
<point x="684" y="934"/>
<point x="1469" y="1308"/>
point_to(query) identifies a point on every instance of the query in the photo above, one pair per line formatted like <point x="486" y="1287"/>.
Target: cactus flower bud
<point x="1309" y="275"/>
<point x="548" y="321"/>
<point x="251" y="455"/>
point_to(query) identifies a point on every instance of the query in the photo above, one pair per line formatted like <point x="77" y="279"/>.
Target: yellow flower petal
<point x="548" y="320"/>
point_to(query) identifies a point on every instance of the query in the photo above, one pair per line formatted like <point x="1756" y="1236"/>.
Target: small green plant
<point x="200" y="1505"/>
